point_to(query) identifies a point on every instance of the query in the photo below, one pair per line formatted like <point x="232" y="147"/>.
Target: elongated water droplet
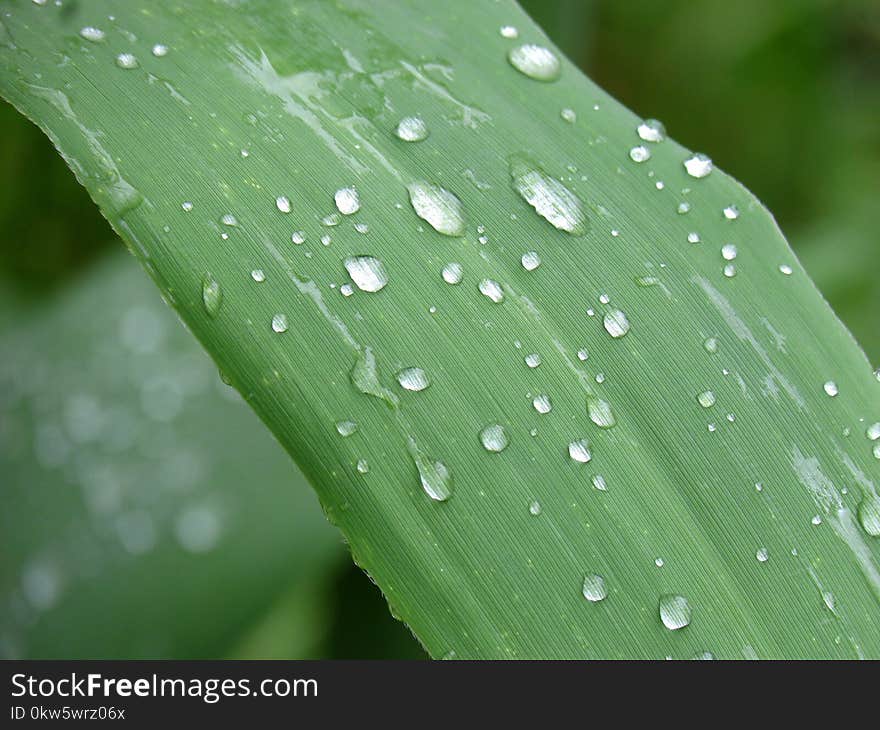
<point x="414" y="379"/>
<point x="675" y="612"/>
<point x="346" y="428"/>
<point x="535" y="61"/>
<point x="698" y="166"/>
<point x="282" y="202"/>
<point x="258" y="275"/>
<point x="347" y="201"/>
<point x="367" y="272"/>
<point x="212" y="295"/>
<point x="869" y="514"/>
<point x="706" y="399"/>
<point x="362" y="466"/>
<point x="90" y="33"/>
<point x="785" y="269"/>
<point x="452" y="273"/>
<point x="535" y="508"/>
<point x="579" y="451"/>
<point x="599" y="483"/>
<point x="616" y="323"/>
<point x="435" y="478"/>
<point x="494" y="438"/>
<point x="279" y="323"/>
<point x="542" y="404"/>
<point x="651" y="130"/>
<point x="568" y="115"/>
<point x="554" y="202"/>
<point x="227" y="219"/>
<point x="594" y="588"/>
<point x="600" y="412"/>
<point x="437" y="207"/>
<point x="731" y="212"/>
<point x="492" y="290"/>
<point x="530" y="261"/>
<point x="365" y="377"/>
<point x="127" y="61"/>
<point x="831" y="388"/>
<point x="412" y="129"/>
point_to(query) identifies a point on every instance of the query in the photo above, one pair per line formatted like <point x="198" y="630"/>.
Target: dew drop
<point x="698" y="166"/>
<point x="762" y="555"/>
<point x="731" y="212"/>
<point x="346" y="428"/>
<point x="411" y="129"/>
<point x="492" y="290"/>
<point x="583" y="355"/>
<point x="869" y="514"/>
<point x="212" y="295"/>
<point x="367" y="272"/>
<point x="347" y="201"/>
<point x="282" y="202"/>
<point x="568" y="115"/>
<point x="554" y="202"/>
<point x="362" y="466"/>
<point x="711" y="345"/>
<point x="831" y="388"/>
<point x="530" y="261"/>
<point x="600" y="412"/>
<point x="127" y="61"/>
<point x="683" y="208"/>
<point x="651" y="130"/>
<point x="229" y="220"/>
<point x="533" y="360"/>
<point x="508" y="31"/>
<point x="298" y="237"/>
<point x="599" y="483"/>
<point x="535" y="61"/>
<point x="452" y="273"/>
<point x="279" y="323"/>
<point x="579" y="451"/>
<point x="816" y="521"/>
<point x="434" y="477"/>
<point x="873" y="432"/>
<point x="365" y="377"/>
<point x="640" y="153"/>
<point x="785" y="269"/>
<point x="414" y="379"/>
<point x="187" y="206"/>
<point x="728" y="252"/>
<point x="594" y="588"/>
<point x="694" y="237"/>
<point x="159" y="50"/>
<point x="675" y="612"/>
<point x="494" y="438"/>
<point x="258" y="275"/>
<point x="542" y="404"/>
<point x="616" y="323"/>
<point x="729" y="270"/>
<point x="706" y="399"/>
<point x="535" y="508"/>
<point x="437" y="207"/>
<point x="90" y="33"/>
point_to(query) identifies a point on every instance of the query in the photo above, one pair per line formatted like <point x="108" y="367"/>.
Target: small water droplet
<point x="362" y="466"/>
<point x="492" y="290"/>
<point x="599" y="483"/>
<point x="258" y="275"/>
<point x="640" y="153"/>
<point x="90" y="33"/>
<point x="785" y="269"/>
<point x="568" y="115"/>
<point x="187" y="206"/>
<point x="437" y="207"/>
<point x="583" y="355"/>
<point x="698" y="166"/>
<point x="530" y="261"/>
<point x="816" y="521"/>
<point x="452" y="273"/>
<point x="435" y="478"/>
<point x="729" y="270"/>
<point x="683" y="208"/>
<point x="159" y="50"/>
<point x="508" y="31"/>
<point x="762" y="555"/>
<point x="127" y="61"/>
<point x="728" y="252"/>
<point x="675" y="611"/>
<point x="298" y="237"/>
<point x="411" y="129"/>
<point x="279" y="323"/>
<point x="600" y="412"/>
<point x="212" y="295"/>
<point x="533" y="360"/>
<point x="651" y="130"/>
<point x="869" y="514"/>
<point x="873" y="432"/>
<point x="367" y="272"/>
<point x="711" y="345"/>
<point x="414" y="379"/>
<point x="594" y="588"/>
<point x="579" y="451"/>
<point x="659" y="562"/>
<point x="542" y="404"/>
<point x="282" y="202"/>
<point x="616" y="323"/>
<point x="535" y="61"/>
<point x="535" y="508"/>
<point x="830" y="388"/>
<point x="494" y="438"/>
<point x="694" y="237"/>
<point x="731" y="212"/>
<point x="229" y="220"/>
<point x="347" y="201"/>
<point x="346" y="428"/>
<point x="554" y="202"/>
<point x="706" y="399"/>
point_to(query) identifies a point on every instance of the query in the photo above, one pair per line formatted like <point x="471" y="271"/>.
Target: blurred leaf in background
<point x="134" y="482"/>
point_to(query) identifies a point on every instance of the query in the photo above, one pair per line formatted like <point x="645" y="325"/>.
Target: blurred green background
<point x="146" y="513"/>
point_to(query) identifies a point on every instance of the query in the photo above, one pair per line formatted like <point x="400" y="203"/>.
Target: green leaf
<point x="726" y="522"/>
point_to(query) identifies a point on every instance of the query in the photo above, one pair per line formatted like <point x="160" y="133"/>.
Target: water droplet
<point x="616" y="324"/>
<point x="694" y="237"/>
<point x="212" y="295"/>
<point x="298" y="237"/>
<point x="437" y="207"/>
<point x="535" y="61"/>
<point x="127" y="61"/>
<point x="412" y="129"/>
<point x="159" y="50"/>
<point x="762" y="555"/>
<point x="282" y="202"/>
<point x="659" y="562"/>
<point x="367" y="272"/>
<point x="494" y="438"/>
<point x="711" y="345"/>
<point x="365" y="377"/>
<point x="684" y="208"/>
<point x="728" y="252"/>
<point x="279" y="323"/>
<point x="594" y="588"/>
<point x="579" y="451"/>
<point x="452" y="273"/>
<point x="600" y="412"/>
<point x="869" y="514"/>
<point x="554" y="202"/>
<point x="533" y="360"/>
<point x="187" y="206"/>
<point x="435" y="478"/>
<point x="535" y="508"/>
<point x="785" y="269"/>
<point x="706" y="399"/>
<point x="258" y="275"/>
<point x="640" y="153"/>
<point x="414" y="379"/>
<point x="731" y="212"/>
<point x="362" y="466"/>
<point x="599" y="483"/>
<point x="530" y="260"/>
<point x="873" y="432"/>
<point x="831" y="388"/>
<point x="651" y="130"/>
<point x="583" y="355"/>
<point x="729" y="270"/>
<point x="346" y="428"/>
<point x="817" y="520"/>
<point x="568" y="115"/>
<point x="698" y="166"/>
<point x="675" y="612"/>
<point x="330" y="220"/>
<point x="90" y="33"/>
<point x="542" y="404"/>
<point x="492" y="290"/>
<point x="508" y="31"/>
<point x="229" y="220"/>
<point x="347" y="201"/>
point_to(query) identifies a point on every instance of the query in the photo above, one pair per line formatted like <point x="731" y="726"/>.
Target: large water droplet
<point x="542" y="404"/>
<point x="414" y="379"/>
<point x="533" y="360"/>
<point x="494" y="438"/>
<point x="728" y="252"/>
<point x="492" y="290"/>
<point x="412" y="129"/>
<point x="616" y="323"/>
<point x="579" y="451"/>
<point x="554" y="202"/>
<point x="869" y="514"/>
<point x="438" y="207"/>
<point x="675" y="612"/>
<point x="212" y="295"/>
<point x="594" y="588"/>
<point x="347" y="201"/>
<point x="367" y="272"/>
<point x="651" y="130"/>
<point x="698" y="166"/>
<point x="452" y="273"/>
<point x="535" y="61"/>
<point x="600" y="412"/>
